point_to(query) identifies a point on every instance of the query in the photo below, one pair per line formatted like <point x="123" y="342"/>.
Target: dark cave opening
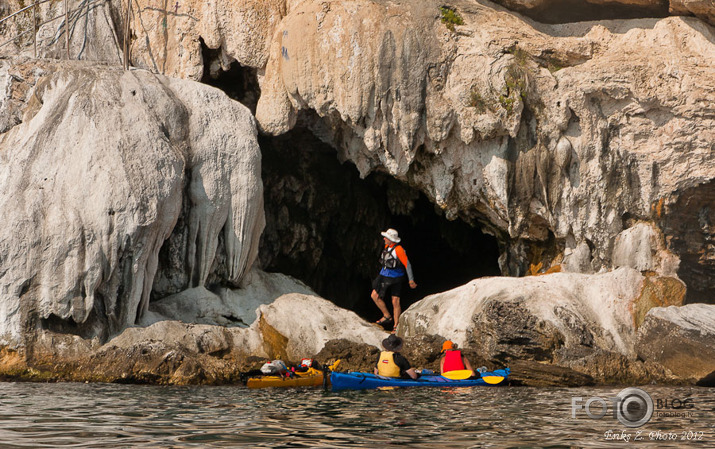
<point x="324" y="223"/>
<point x="444" y="254"/>
<point x="566" y="11"/>
<point x="689" y="221"/>
<point x="238" y="82"/>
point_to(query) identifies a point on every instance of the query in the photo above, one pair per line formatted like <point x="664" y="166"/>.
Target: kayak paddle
<point x="458" y="374"/>
<point x="492" y="379"/>
<point x="466" y="374"/>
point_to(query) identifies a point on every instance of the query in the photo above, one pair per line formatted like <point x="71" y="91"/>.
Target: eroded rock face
<point x="680" y="338"/>
<point x="702" y="9"/>
<point x="173" y="352"/>
<point x="295" y="324"/>
<point x="689" y="224"/>
<point x="568" y="142"/>
<point x="163" y="38"/>
<point x="552" y="136"/>
<point x="95" y="34"/>
<point x="225" y="306"/>
<point x="533" y="317"/>
<point x="94" y="179"/>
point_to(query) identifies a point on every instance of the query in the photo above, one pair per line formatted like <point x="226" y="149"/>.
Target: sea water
<point x="111" y="415"/>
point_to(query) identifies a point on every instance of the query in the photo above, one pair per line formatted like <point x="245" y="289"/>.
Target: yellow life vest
<point x="387" y="366"/>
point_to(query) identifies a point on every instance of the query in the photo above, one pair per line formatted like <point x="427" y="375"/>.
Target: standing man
<point x="395" y="266"/>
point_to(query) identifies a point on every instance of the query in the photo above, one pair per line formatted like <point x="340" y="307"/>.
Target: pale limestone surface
<point x="310" y="321"/>
<point x="196" y="338"/>
<point x="92" y="184"/>
<point x="164" y="38"/>
<point x="94" y="33"/>
<point x="527" y="128"/>
<point x="226" y="307"/>
<point x="580" y="310"/>
<point x="641" y="247"/>
<point x="306" y="322"/>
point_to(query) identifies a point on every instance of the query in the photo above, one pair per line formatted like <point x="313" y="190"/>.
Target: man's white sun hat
<point x="391" y="234"/>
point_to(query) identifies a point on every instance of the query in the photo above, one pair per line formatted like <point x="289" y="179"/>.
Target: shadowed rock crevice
<point x="565" y="11"/>
<point x="225" y="73"/>
<point x="691" y="222"/>
<point x="324" y="223"/>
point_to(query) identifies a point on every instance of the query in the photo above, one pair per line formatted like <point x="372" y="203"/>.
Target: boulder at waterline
<point x="680" y="338"/>
<point x="172" y="352"/>
<point x="582" y="322"/>
<point x="535" y="316"/>
<point x="295" y="325"/>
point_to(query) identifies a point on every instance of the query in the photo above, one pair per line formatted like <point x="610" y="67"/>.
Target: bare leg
<point x="380" y="304"/>
<point x="396" y="309"/>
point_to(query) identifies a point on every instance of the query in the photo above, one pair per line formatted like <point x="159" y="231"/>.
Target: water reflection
<point x="105" y="415"/>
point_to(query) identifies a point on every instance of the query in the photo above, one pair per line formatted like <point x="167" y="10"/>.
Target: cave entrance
<point x="324" y="223"/>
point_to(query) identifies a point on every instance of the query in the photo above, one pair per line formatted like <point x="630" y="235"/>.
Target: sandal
<point x="394" y="329"/>
<point x="384" y="320"/>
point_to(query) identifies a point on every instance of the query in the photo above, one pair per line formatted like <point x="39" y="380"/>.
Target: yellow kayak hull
<point x="311" y="378"/>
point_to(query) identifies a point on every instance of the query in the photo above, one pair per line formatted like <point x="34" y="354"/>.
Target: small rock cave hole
<point x="324" y="223"/>
<point x="238" y="82"/>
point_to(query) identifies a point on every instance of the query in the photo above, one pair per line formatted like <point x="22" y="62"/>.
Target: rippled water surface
<point x="107" y="415"/>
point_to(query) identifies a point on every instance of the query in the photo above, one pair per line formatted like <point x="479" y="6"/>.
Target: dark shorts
<point x="382" y="285"/>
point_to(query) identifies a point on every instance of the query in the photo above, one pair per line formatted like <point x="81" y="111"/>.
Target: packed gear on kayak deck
<point x="306" y="364"/>
<point x="312" y="377"/>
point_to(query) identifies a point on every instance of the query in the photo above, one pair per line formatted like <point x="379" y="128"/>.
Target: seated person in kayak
<point x="391" y="363"/>
<point x="453" y="360"/>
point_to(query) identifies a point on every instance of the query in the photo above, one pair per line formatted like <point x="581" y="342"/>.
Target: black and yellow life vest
<point x="387" y="366"/>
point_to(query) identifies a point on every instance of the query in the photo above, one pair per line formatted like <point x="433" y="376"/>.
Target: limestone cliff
<point x="97" y="167"/>
<point x="581" y="146"/>
<point x="554" y="137"/>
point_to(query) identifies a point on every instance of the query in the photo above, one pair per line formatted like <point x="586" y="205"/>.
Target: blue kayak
<point x="368" y="381"/>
